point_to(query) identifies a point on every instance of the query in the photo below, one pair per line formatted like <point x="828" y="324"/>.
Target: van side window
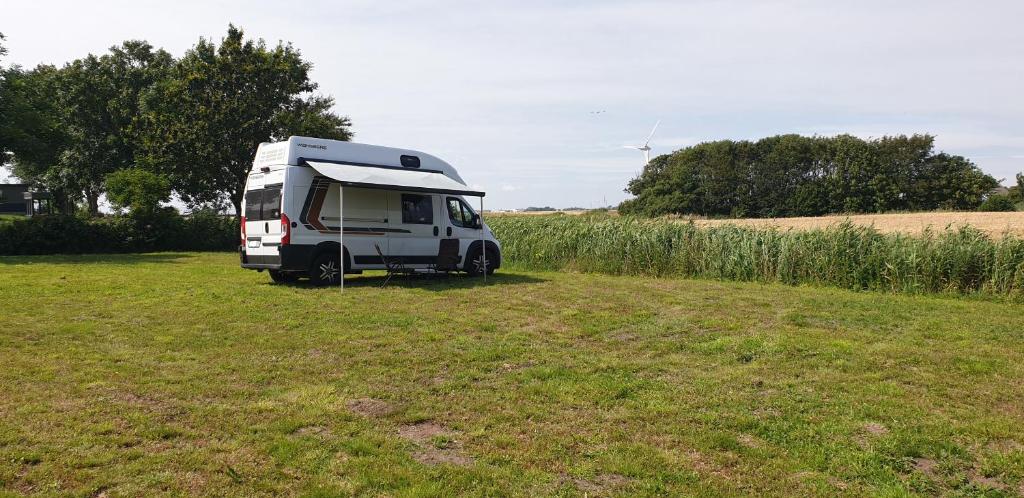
<point x="460" y="213"/>
<point x="418" y="209"/>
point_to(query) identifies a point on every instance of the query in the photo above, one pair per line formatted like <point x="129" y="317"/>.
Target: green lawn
<point x="183" y="374"/>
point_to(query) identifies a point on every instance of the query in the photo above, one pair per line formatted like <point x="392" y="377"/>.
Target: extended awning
<point x="391" y="178"/>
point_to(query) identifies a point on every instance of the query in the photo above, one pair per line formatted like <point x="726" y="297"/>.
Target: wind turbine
<point x="645" y="148"/>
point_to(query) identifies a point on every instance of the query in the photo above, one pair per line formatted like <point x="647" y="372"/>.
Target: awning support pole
<point x="341" y="238"/>
<point x="483" y="243"/>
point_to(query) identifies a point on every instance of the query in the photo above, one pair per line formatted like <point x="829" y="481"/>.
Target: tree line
<point x="136" y="118"/>
<point x="793" y="175"/>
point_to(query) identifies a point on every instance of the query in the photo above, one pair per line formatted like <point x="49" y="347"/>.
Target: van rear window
<point x="263" y="204"/>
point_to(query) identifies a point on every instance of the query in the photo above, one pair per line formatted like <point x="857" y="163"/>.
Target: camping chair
<point x="393" y="265"/>
<point x="447" y="256"/>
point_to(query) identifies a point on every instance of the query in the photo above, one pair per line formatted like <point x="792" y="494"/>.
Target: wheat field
<point x="994" y="224"/>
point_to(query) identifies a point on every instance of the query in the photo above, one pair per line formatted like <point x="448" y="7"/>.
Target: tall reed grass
<point x="963" y="260"/>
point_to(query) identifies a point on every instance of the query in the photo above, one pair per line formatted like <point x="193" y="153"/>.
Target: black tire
<point x="474" y="265"/>
<point x="324" y="270"/>
<point x="281" y="277"/>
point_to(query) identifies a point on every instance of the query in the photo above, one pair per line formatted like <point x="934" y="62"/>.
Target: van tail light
<point x="243" y="230"/>
<point x="286" y="230"/>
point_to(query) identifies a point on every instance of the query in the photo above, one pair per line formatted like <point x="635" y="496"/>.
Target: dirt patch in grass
<point x="706" y="466"/>
<point x="313" y="430"/>
<point x="315" y="354"/>
<point x="599" y="485"/>
<point x="869" y="432"/>
<point x="1004" y="445"/>
<point x="984" y="482"/>
<point x="926" y="466"/>
<point x="370" y="407"/>
<point x="436" y="444"/>
<point x="625" y="336"/>
<point x="748" y="441"/>
<point x="838" y="483"/>
<point x="21" y="483"/>
<point x="132" y="399"/>
<point x="513" y="367"/>
<point x="875" y="429"/>
<point x="423" y="432"/>
<point x="433" y="456"/>
<point x="194" y="482"/>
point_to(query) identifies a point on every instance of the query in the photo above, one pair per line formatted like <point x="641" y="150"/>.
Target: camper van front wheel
<point x="475" y="263"/>
<point x="324" y="270"/>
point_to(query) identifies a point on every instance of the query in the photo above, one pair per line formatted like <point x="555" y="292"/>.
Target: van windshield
<point x="263" y="204"/>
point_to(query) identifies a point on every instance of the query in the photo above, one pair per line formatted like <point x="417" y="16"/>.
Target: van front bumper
<point x="292" y="258"/>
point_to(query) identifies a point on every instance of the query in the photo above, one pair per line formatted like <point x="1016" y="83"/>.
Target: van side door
<point x="416" y="232"/>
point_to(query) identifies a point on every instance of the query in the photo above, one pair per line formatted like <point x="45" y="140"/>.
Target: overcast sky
<point x="508" y="93"/>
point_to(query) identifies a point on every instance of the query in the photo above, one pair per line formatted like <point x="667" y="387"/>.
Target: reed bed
<point x="960" y="260"/>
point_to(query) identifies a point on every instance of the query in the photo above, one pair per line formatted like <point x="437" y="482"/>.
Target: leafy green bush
<point x="140" y="190"/>
<point x="997" y="203"/>
<point x="163" y="230"/>
<point x="846" y="255"/>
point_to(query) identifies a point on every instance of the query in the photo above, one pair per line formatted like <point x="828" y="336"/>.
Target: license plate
<point x="254" y="243"/>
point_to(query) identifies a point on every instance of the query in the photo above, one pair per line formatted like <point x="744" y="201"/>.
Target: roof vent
<point x="410" y="161"/>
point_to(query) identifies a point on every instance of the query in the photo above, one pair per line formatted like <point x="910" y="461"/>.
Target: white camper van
<point x="399" y="201"/>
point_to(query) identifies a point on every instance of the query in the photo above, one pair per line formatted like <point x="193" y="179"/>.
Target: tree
<point x="997" y="203"/>
<point x="99" y="104"/>
<point x="139" y="190"/>
<point x="68" y="128"/>
<point x="204" y="122"/>
<point x="4" y="99"/>
<point x="31" y="132"/>
<point x="791" y="175"/>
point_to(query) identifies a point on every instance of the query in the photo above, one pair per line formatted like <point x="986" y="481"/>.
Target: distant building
<point x="16" y="198"/>
<point x="12" y="198"/>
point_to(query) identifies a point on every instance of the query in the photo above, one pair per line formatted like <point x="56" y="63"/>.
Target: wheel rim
<point x="478" y="264"/>
<point x="329" y="271"/>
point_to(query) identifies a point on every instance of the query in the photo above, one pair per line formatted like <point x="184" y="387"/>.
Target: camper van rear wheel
<point x="475" y="263"/>
<point x="282" y="277"/>
<point x="325" y="270"/>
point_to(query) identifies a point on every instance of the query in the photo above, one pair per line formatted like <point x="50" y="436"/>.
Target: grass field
<point x="953" y="261"/>
<point x="182" y="374"/>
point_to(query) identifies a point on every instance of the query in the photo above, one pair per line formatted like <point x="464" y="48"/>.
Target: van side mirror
<point x="476" y="221"/>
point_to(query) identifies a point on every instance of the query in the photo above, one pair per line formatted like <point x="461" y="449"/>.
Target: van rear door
<point x="263" y="228"/>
